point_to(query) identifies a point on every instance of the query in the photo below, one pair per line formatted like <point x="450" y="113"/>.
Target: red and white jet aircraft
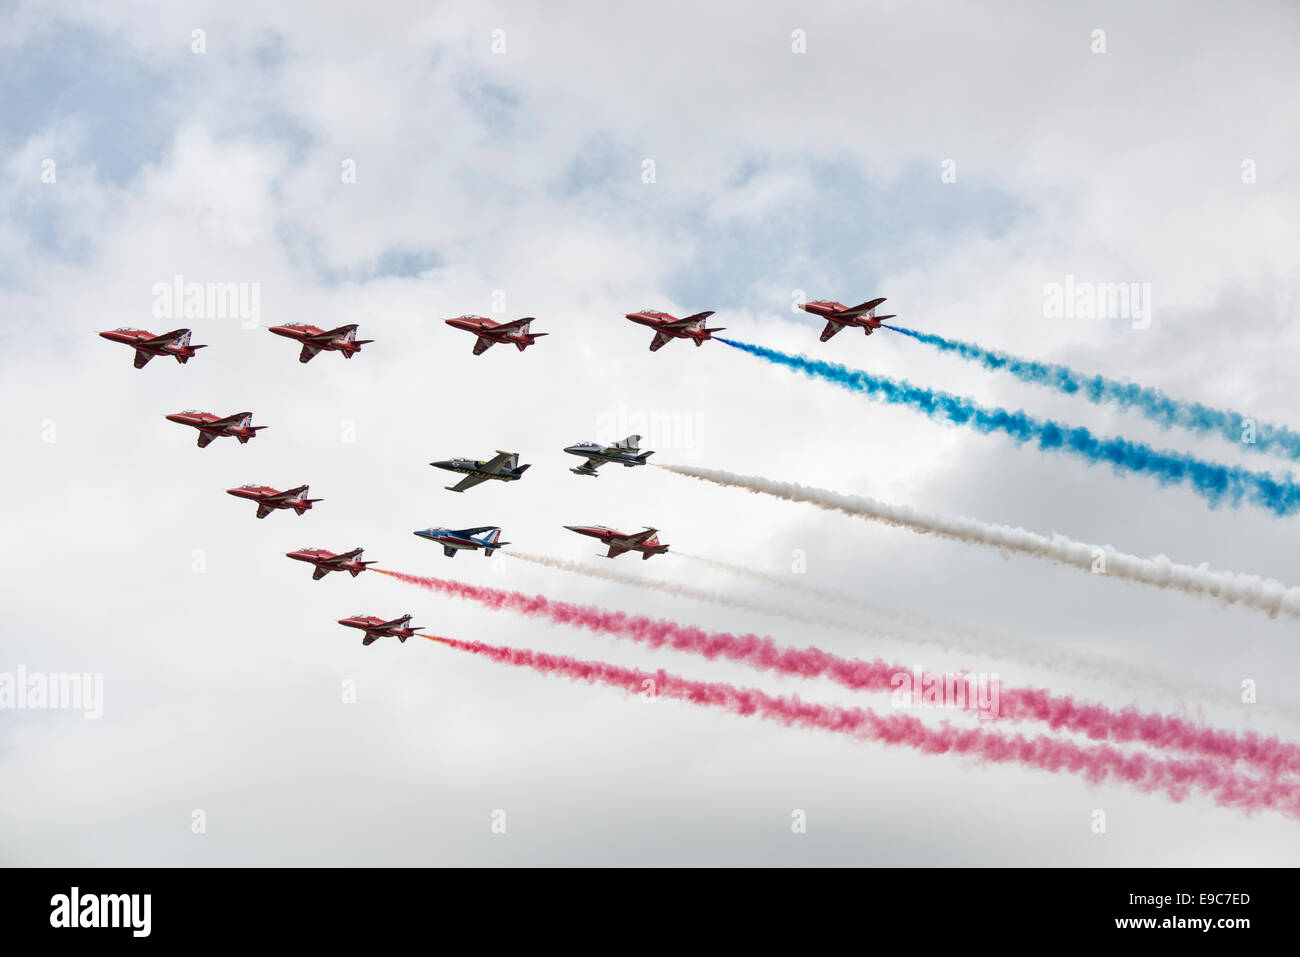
<point x="838" y="315"/>
<point x="490" y="333"/>
<point x="375" y="628"/>
<point x="646" y="542"/>
<point x="268" y="499"/>
<point x="326" y="561"/>
<point x="343" y="339"/>
<point x="175" y="343"/>
<point x="668" y="327"/>
<point x="213" y="427"/>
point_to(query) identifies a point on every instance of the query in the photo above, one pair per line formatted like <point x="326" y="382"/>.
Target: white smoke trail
<point x="685" y="591"/>
<point x="904" y="626"/>
<point x="1251" y="591"/>
<point x="952" y="636"/>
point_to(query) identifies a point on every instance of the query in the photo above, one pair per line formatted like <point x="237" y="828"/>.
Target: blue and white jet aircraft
<point x="452" y="540"/>
<point x="623" y="452"/>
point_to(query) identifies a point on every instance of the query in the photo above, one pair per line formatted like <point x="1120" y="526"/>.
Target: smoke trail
<point x="1213" y="482"/>
<point x="914" y="628"/>
<point x="1095" y="721"/>
<point x="684" y="591"/>
<point x="1228" y="587"/>
<point x="900" y="625"/>
<point x="1154" y="404"/>
<point x="1176" y="778"/>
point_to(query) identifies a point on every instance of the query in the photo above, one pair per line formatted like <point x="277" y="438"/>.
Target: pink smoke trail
<point x="1018" y="704"/>
<point x="1096" y="764"/>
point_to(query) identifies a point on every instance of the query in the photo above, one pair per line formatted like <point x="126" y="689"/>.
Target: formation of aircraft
<point x="490" y="333"/>
<point x="646" y="542"/>
<point x="453" y="540"/>
<point x="502" y="467"/>
<point x="839" y="316"/>
<point x="376" y="628"/>
<point x="326" y="561"/>
<point x="668" y="327"/>
<point x="269" y="499"/>
<point x="212" y="426"/>
<point x="624" y="452"/>
<point x="146" y="345"/>
<point x="343" y="339"/>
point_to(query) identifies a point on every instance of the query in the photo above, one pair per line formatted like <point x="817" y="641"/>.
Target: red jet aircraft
<point x="646" y="542"/>
<point x="268" y="499"/>
<point x="838" y="315"/>
<point x="147" y="345"/>
<point x="211" y="427"/>
<point x="490" y="333"/>
<point x="343" y="339"/>
<point x="669" y="327"/>
<point x="326" y="561"/>
<point x="375" y="628"/>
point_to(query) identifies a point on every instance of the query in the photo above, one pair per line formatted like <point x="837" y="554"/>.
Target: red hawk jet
<point x="326" y="561"/>
<point x="490" y="333"/>
<point x="669" y="327"/>
<point x="646" y="542"/>
<point x="343" y="339"/>
<point x="211" y="427"/>
<point x="375" y="628"/>
<point x="268" y="499"/>
<point x="838" y="315"/>
<point x="175" y="343"/>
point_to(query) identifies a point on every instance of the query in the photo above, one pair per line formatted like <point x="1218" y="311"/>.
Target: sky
<point x="399" y="164"/>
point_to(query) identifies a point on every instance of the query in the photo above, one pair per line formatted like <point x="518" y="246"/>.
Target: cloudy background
<point x="520" y="172"/>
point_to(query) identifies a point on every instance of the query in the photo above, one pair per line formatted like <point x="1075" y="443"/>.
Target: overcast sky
<point x="501" y="156"/>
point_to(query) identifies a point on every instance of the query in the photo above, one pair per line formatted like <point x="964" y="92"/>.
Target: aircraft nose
<point x="173" y="418"/>
<point x="444" y="464"/>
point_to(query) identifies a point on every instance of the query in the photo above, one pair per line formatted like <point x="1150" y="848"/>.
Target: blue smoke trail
<point x="1152" y="403"/>
<point x="1212" y="481"/>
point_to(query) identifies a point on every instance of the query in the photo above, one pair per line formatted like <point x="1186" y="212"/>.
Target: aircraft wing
<point x="205" y="439"/>
<point x="369" y="638"/>
<point x="229" y="420"/>
<point x="592" y="464"/>
<point x="661" y="339"/>
<point x="689" y="320"/>
<point x="335" y="333"/>
<point x="142" y="358"/>
<point x="640" y="537"/>
<point x="863" y="307"/>
<point x="514" y="326"/>
<point x="469" y="481"/>
<point x="285" y="495"/>
<point x="467" y="532"/>
<point x="166" y="338"/>
<point x="617" y="550"/>
<point x="319" y="573"/>
<point x="501" y="462"/>
<point x="832" y="327"/>
<point x="264" y="510"/>
<point x="308" y="352"/>
<point x="483" y="345"/>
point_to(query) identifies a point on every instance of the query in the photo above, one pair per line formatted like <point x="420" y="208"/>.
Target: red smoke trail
<point x="1017" y="704"/>
<point x="1097" y="764"/>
